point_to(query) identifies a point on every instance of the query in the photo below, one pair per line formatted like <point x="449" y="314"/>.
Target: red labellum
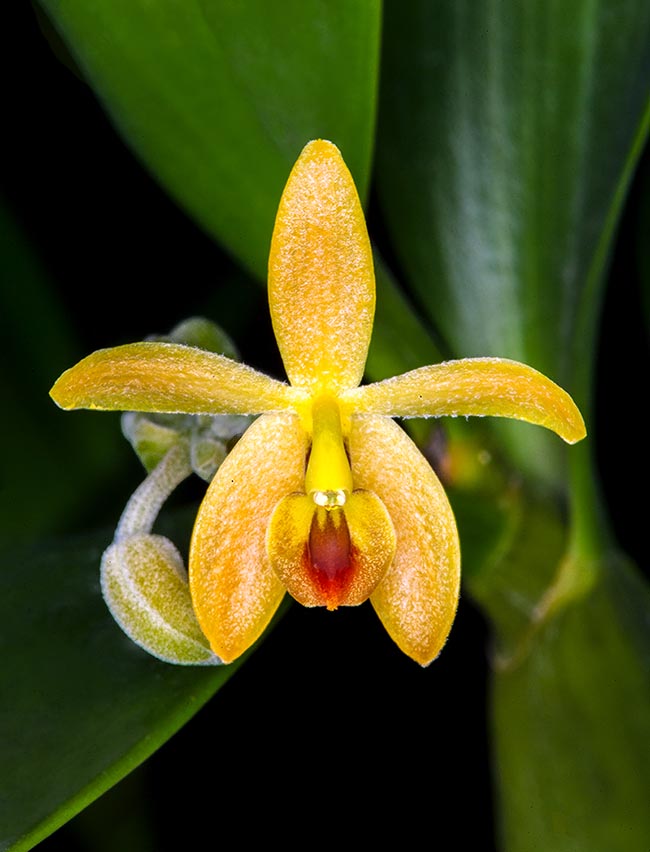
<point x="329" y="555"/>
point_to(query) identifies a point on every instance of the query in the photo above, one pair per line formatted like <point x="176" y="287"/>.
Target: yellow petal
<point x="171" y="378"/>
<point x="416" y="601"/>
<point x="321" y="279"/>
<point x="473" y="386"/>
<point x="331" y="556"/>
<point x="234" y="589"/>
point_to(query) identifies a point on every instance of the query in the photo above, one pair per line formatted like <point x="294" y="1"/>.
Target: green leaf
<point x="571" y="681"/>
<point x="570" y="686"/>
<point x="572" y="725"/>
<point x="218" y="97"/>
<point x="508" y="134"/>
<point x="82" y="705"/>
<point x="510" y="578"/>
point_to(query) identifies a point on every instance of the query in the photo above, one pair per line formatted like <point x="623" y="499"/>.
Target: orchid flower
<point x="324" y="495"/>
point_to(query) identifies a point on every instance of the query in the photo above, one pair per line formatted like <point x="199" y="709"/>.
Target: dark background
<point x="328" y="728"/>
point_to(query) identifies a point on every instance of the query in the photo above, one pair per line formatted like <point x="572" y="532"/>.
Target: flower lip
<point x="329" y="555"/>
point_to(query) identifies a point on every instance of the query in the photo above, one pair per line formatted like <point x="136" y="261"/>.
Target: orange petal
<point x="321" y="278"/>
<point x="171" y="378"/>
<point x="234" y="589"/>
<point x="331" y="557"/>
<point x="473" y="386"/>
<point x="416" y="601"/>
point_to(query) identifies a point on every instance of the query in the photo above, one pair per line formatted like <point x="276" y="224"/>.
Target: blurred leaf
<point x="81" y="704"/>
<point x="523" y="577"/>
<point x="571" y="682"/>
<point x="42" y="487"/>
<point x="572" y="726"/>
<point x="508" y="134"/>
<point x="218" y="97"/>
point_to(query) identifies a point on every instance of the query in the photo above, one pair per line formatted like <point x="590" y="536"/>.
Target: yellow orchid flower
<point x="324" y="496"/>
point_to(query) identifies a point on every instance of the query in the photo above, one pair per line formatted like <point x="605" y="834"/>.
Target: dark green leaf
<point x="508" y="133"/>
<point x="81" y="704"/>
<point x="519" y="541"/>
<point x="218" y="97"/>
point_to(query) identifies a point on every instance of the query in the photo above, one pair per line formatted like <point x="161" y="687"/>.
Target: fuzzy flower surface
<point x="324" y="495"/>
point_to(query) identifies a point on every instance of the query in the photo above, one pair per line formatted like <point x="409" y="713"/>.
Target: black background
<point x="328" y="732"/>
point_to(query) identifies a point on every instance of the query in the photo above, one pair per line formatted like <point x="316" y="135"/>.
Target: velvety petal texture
<point x="169" y="378"/>
<point x="417" y="599"/>
<point x="473" y="386"/>
<point x="321" y="276"/>
<point x="234" y="589"/>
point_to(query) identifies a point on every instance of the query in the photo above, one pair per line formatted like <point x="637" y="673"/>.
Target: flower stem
<point x="146" y="502"/>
